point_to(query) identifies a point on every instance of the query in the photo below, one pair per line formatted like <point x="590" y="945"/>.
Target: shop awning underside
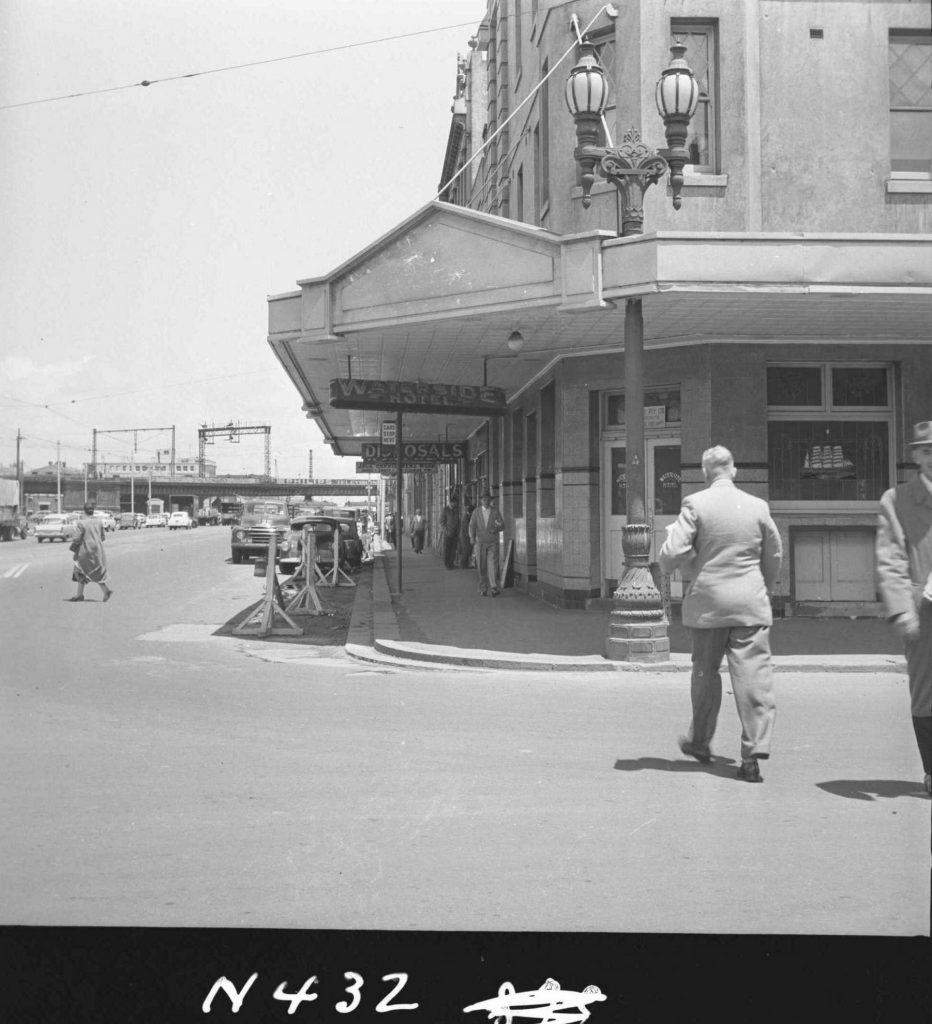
<point x="436" y="300"/>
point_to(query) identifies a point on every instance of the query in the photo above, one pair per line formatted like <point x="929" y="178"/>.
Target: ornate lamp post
<point x="638" y="630"/>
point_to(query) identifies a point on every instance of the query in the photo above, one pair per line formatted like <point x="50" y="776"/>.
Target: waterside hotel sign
<point x="417" y="396"/>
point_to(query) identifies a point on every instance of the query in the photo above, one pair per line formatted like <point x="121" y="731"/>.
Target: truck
<point x="12" y="521"/>
<point x="207" y="515"/>
<point x="230" y="511"/>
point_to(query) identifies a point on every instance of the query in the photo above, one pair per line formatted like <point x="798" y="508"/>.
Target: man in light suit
<point x="904" y="577"/>
<point x="726" y="541"/>
<point x="485" y="524"/>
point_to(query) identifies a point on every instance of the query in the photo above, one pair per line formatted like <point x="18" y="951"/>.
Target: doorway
<point x="663" y="481"/>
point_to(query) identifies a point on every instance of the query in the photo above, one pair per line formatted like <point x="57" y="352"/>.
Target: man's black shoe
<point x="750" y="772"/>
<point x="691" y="750"/>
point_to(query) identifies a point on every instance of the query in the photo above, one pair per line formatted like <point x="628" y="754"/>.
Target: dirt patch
<point x="328" y="629"/>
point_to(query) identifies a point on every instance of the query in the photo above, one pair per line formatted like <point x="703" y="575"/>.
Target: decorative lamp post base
<point x="638" y="625"/>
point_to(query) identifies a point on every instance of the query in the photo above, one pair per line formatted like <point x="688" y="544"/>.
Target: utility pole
<point x="58" y="471"/>
<point x="19" y="470"/>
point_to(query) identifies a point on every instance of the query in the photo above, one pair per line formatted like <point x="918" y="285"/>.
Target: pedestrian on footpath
<point x="726" y="541"/>
<point x="464" y="549"/>
<point x="418" y="530"/>
<point x="450" y="533"/>
<point x="904" y="576"/>
<point x="90" y="558"/>
<point x="485" y="525"/>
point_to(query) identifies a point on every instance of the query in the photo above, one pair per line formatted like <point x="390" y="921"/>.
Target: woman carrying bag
<point x="90" y="559"/>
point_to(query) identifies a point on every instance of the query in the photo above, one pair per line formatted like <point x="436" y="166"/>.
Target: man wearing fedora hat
<point x="904" y="575"/>
<point x="485" y="524"/>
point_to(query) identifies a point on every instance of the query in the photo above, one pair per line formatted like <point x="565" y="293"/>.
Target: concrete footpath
<point x="439" y="620"/>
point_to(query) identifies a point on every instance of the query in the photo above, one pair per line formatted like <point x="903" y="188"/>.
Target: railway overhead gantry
<point x="232" y="432"/>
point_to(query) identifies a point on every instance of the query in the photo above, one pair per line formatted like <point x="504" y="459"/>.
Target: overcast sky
<point x="143" y="227"/>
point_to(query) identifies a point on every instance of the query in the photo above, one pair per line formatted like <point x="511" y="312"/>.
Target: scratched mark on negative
<point x="548" y="1004"/>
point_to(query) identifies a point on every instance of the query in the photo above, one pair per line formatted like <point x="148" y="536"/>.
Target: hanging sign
<point x="417" y="396"/>
<point x="415" y="451"/>
<point x="389" y="432"/>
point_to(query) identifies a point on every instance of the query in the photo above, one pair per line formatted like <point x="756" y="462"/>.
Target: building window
<point x="829" y="432"/>
<point x="700" y="40"/>
<point x="910" y="62"/>
<point x="661" y="409"/>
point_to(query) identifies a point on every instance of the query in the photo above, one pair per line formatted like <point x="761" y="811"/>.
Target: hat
<point x="485" y="494"/>
<point x="922" y="434"/>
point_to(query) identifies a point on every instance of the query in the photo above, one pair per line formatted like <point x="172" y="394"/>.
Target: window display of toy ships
<point x="827" y="461"/>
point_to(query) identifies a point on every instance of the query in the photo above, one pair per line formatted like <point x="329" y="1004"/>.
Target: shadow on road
<point x="872" y="789"/>
<point x="724" y="766"/>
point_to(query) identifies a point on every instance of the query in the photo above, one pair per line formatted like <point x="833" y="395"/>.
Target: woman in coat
<point x="90" y="559"/>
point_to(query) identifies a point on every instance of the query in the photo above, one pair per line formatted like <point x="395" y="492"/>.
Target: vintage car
<point x="107" y="518"/>
<point x="155" y="519"/>
<point x="127" y="521"/>
<point x="259" y="521"/>
<point x="323" y="529"/>
<point x="56" y="527"/>
<point x="180" y="521"/>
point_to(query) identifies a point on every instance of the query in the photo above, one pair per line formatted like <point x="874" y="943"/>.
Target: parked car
<point x="57" y="527"/>
<point x="156" y="519"/>
<point x="350" y="540"/>
<point x="323" y="529"/>
<point x="106" y="517"/>
<point x="259" y="521"/>
<point x="127" y="521"/>
<point x="180" y="521"/>
<point x="140" y="519"/>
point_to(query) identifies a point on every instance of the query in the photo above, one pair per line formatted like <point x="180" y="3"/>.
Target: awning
<point x="436" y="299"/>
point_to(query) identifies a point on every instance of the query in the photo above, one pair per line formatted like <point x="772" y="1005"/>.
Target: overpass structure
<point x="137" y="490"/>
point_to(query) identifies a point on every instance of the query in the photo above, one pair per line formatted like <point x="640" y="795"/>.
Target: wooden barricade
<point x="261" y="620"/>
<point x="305" y="579"/>
<point x="337" y="577"/>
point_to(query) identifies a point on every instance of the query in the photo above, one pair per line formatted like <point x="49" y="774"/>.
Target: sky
<point x="142" y="228"/>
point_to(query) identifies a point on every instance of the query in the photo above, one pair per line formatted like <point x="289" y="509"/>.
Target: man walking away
<point x="725" y="539"/>
<point x="450" y="532"/>
<point x="904" y="577"/>
<point x="485" y="525"/>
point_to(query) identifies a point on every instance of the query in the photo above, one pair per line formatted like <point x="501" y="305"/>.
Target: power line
<point x="236" y="67"/>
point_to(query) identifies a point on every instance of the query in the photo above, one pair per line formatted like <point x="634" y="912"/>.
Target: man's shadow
<point x="872" y="789"/>
<point x="723" y="766"/>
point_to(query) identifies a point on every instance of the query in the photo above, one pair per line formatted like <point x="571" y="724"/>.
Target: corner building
<point x="787" y="306"/>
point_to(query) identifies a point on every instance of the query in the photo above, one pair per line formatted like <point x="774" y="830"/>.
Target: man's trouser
<point x="748" y="651"/>
<point x="487" y="565"/>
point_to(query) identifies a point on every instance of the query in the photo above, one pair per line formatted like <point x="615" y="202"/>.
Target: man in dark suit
<point x="726" y="541"/>
<point x="904" y="577"/>
<point x="450" y="531"/>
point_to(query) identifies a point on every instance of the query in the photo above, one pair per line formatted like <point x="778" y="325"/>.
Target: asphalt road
<point x="159" y="772"/>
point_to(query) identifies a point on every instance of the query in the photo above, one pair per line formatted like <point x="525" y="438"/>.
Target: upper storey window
<point x="701" y="42"/>
<point x="910" y="62"/>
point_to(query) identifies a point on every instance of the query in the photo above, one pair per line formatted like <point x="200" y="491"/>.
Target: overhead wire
<point x="145" y="83"/>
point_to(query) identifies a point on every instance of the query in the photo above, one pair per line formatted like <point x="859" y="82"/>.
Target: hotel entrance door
<point x="663" y="480"/>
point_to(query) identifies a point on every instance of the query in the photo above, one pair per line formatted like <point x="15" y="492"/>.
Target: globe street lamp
<point x="638" y="629"/>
